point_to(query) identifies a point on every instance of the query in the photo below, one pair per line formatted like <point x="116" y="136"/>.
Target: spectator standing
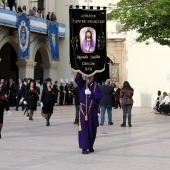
<point x="13" y="7"/>
<point x="48" y="17"/>
<point x="19" y="9"/>
<point x="106" y="102"/>
<point x="117" y="97"/>
<point x="7" y="6"/>
<point x="24" y="9"/>
<point x="42" y="14"/>
<point x="126" y="95"/>
<point x="53" y="17"/>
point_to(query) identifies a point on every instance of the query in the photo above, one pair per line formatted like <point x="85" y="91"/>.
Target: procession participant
<point x="12" y="93"/>
<point x="88" y="122"/>
<point x="61" y="88"/>
<point x="31" y="97"/>
<point x="4" y="89"/>
<point x="66" y="92"/>
<point x="3" y="105"/>
<point x="71" y="88"/>
<point x="47" y="102"/>
<point x="20" y="93"/>
<point x="77" y="104"/>
<point x="55" y="88"/>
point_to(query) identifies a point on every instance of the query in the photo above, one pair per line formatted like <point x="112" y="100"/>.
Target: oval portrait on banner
<point x="88" y="39"/>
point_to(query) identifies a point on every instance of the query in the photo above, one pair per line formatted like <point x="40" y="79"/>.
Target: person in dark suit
<point x="55" y="88"/>
<point x="61" y="88"/>
<point x="106" y="102"/>
<point x="12" y="93"/>
<point x="48" y="17"/>
<point x="77" y="104"/>
<point x="66" y="90"/>
<point x="20" y="93"/>
<point x="4" y="87"/>
<point x="3" y="105"/>
<point x="117" y="97"/>
<point x="71" y="88"/>
<point x="47" y="102"/>
<point x="4" y="90"/>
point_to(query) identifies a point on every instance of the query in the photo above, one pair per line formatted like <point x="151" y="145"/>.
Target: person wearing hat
<point x="47" y="102"/>
<point x="88" y="121"/>
<point x="61" y="88"/>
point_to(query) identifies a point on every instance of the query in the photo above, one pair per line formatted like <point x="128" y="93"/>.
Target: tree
<point x="150" y="18"/>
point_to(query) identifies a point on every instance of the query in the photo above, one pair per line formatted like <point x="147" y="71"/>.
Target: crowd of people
<point x="162" y="104"/>
<point x="32" y="12"/>
<point x="90" y="98"/>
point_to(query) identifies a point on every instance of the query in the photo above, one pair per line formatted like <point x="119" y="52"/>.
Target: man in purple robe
<point x="88" y="45"/>
<point x="88" y="122"/>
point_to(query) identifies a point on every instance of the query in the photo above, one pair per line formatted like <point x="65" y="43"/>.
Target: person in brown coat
<point x="126" y="94"/>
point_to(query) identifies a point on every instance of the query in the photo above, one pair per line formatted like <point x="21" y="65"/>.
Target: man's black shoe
<point x="110" y="123"/>
<point x="123" y="125"/>
<point x="91" y="150"/>
<point x="101" y="124"/>
<point x="130" y="125"/>
<point x="84" y="151"/>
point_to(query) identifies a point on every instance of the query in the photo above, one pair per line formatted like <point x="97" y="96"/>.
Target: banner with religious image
<point x="114" y="72"/>
<point x="87" y="40"/>
<point x="23" y="36"/>
<point x="53" y="40"/>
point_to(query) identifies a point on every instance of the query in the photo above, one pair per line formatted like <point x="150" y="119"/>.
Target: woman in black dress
<point x="31" y="97"/>
<point x="3" y="105"/>
<point x="47" y="102"/>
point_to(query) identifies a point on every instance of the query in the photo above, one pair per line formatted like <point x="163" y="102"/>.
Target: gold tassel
<point x="79" y="127"/>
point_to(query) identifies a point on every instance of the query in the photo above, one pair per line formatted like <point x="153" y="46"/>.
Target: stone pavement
<point x="29" y="145"/>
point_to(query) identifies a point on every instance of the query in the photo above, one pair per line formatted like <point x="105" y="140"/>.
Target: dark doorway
<point x="100" y="77"/>
<point x="40" y="4"/>
<point x="38" y="72"/>
<point x="8" y="67"/>
<point x="11" y="3"/>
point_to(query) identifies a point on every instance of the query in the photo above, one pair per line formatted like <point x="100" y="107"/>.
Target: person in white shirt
<point x="165" y="102"/>
<point x="7" y="6"/>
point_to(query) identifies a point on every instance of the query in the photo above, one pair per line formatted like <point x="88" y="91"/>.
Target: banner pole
<point x="88" y="4"/>
<point x="86" y="96"/>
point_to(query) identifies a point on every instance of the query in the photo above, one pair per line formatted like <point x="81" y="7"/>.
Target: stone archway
<point x="8" y="67"/>
<point x="38" y="71"/>
<point x="48" y="66"/>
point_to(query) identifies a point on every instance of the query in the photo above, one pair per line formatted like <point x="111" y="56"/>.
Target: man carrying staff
<point x="88" y="121"/>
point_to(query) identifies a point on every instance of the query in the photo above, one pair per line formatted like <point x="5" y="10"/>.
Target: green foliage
<point x="150" y="18"/>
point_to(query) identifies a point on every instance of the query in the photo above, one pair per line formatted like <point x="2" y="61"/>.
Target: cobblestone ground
<point x="33" y="146"/>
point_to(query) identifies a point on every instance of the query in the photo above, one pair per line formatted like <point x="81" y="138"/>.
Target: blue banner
<point x="53" y="39"/>
<point x="24" y="36"/>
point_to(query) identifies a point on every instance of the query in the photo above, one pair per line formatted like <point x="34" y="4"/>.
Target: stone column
<point x="50" y="71"/>
<point x="26" y="68"/>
